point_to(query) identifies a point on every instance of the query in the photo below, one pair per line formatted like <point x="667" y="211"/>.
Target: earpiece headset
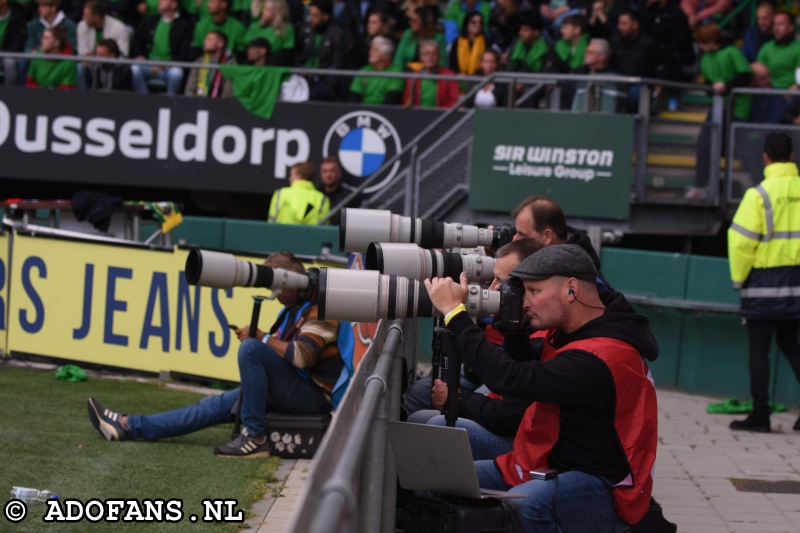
<point x="572" y="293"/>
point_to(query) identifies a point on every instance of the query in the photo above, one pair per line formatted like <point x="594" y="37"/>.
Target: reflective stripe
<point x="767" y="211"/>
<point x="786" y="235"/>
<point x="746" y="232"/>
<point x="770" y="292"/>
<point x="277" y="206"/>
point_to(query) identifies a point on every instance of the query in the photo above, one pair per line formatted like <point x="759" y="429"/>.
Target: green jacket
<point x="299" y="203"/>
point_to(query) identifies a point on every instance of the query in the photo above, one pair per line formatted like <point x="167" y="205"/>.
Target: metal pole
<point x="413" y="180"/>
<point x="511" y="88"/>
<point x="389" y="503"/>
<point x="338" y="499"/>
<point x="641" y="150"/>
<point x="555" y="98"/>
<point x="716" y="146"/>
<point x="370" y="486"/>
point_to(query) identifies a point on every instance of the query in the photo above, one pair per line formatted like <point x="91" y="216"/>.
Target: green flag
<point x="256" y="88"/>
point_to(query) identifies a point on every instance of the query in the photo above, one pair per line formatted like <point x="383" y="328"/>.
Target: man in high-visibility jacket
<point x="764" y="252"/>
<point x="300" y="202"/>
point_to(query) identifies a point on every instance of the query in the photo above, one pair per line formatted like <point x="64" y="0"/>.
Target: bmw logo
<point x="363" y="141"/>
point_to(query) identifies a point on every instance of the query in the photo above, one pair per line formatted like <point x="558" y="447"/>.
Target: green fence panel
<point x="204" y="232"/>
<point x="786" y="388"/>
<point x="714" y="347"/>
<point x="659" y="275"/>
<point x="262" y="237"/>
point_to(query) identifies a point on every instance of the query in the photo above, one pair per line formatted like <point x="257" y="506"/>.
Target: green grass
<point x="47" y="442"/>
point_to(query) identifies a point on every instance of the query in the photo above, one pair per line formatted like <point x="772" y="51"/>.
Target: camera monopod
<point x="451" y="366"/>
<point x="257" y="301"/>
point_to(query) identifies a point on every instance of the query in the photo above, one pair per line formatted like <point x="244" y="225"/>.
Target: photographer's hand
<point x="244" y="332"/>
<point x="446" y="294"/>
<point x="439" y="394"/>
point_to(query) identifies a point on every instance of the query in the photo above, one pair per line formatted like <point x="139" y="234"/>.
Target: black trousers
<point x="760" y="334"/>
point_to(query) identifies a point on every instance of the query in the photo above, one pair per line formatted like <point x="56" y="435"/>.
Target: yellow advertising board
<point x="124" y="306"/>
<point x="4" y="268"/>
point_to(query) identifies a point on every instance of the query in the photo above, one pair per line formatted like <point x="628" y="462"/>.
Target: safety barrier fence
<point x="441" y="145"/>
<point x="352" y="483"/>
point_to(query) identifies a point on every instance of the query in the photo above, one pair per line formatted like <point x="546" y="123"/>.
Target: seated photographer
<point x="302" y="366"/>
<point x="490" y="420"/>
<point x="593" y="418"/>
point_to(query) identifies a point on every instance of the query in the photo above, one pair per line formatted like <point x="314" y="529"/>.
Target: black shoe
<point x="669" y="527"/>
<point x="753" y="422"/>
<point x="796" y="426"/>
<point x="244" y="446"/>
<point x="107" y="421"/>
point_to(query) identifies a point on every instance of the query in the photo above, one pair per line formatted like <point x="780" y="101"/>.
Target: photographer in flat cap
<point x="585" y="450"/>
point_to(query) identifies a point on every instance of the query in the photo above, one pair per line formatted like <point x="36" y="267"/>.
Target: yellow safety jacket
<point x="299" y="203"/>
<point x="764" y="246"/>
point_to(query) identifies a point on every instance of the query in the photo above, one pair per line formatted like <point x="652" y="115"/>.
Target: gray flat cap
<point x="568" y="260"/>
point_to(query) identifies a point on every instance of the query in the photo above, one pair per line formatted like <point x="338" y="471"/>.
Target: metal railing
<point x="352" y="483"/>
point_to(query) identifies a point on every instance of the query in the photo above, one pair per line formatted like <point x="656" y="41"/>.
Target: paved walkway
<point x="697" y="457"/>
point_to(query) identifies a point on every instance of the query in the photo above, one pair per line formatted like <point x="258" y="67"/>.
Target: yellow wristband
<point x="454" y="312"/>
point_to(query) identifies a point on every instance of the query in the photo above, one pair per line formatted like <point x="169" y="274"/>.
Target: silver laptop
<point x="439" y="459"/>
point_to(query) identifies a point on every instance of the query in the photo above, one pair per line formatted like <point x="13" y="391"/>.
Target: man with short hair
<point x="93" y="28"/>
<point x="761" y="33"/>
<point x="302" y="367"/>
<point x="208" y="83"/>
<point x="258" y="52"/>
<point x="300" y="202"/>
<point x="781" y="56"/>
<point x="12" y="38"/>
<point x="764" y="253"/>
<point x="571" y="49"/>
<point x="106" y="76"/>
<point x="635" y="53"/>
<point x="163" y="37"/>
<point x="530" y="51"/>
<point x="321" y="46"/>
<point x="219" y="20"/>
<point x="377" y="91"/>
<point x="330" y="174"/>
<point x="431" y="93"/>
<point x="50" y="16"/>
<point x="593" y="418"/>
<point x="541" y="218"/>
<point x="48" y="73"/>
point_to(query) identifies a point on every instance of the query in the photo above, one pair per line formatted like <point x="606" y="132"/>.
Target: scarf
<point x="469" y="54"/>
<point x="209" y="84"/>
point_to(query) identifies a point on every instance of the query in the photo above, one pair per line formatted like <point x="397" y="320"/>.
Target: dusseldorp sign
<point x="191" y="143"/>
<point x="583" y="161"/>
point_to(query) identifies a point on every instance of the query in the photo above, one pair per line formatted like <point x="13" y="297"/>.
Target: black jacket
<point x="180" y="38"/>
<point x="576" y="236"/>
<point x="336" y="197"/>
<point x="504" y="29"/>
<point x="331" y="50"/>
<point x="116" y="78"/>
<point x="578" y="381"/>
<point x="16" y="30"/>
<point x="670" y="27"/>
<point x="500" y="92"/>
<point x="634" y="57"/>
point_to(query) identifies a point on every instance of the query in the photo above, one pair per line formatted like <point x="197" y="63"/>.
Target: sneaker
<point x="673" y="105"/>
<point x="244" y="446"/>
<point x="796" y="426"/>
<point x="757" y="423"/>
<point x="107" y="421"/>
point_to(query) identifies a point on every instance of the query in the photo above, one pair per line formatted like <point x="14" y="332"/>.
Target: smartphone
<point x="234" y="328"/>
<point x="543" y="474"/>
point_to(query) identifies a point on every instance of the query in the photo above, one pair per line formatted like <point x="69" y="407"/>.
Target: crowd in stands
<point x="660" y="39"/>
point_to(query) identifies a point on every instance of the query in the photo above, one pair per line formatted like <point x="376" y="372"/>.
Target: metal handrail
<point x="684" y="306"/>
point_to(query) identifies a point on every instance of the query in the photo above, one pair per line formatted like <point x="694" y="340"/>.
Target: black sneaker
<point x="244" y="446"/>
<point x="796" y="426"/>
<point x="753" y="422"/>
<point x="106" y="421"/>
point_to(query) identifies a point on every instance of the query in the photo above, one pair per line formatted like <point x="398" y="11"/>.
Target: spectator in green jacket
<point x="376" y="91"/>
<point x="51" y="73"/>
<point x="781" y="56"/>
<point x="423" y="25"/>
<point x="50" y="16"/>
<point x="272" y="21"/>
<point x="219" y="20"/>
<point x="529" y="52"/>
<point x="571" y="49"/>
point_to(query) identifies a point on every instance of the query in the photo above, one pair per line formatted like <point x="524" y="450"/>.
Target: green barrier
<point x="204" y="232"/>
<point x="261" y="237"/>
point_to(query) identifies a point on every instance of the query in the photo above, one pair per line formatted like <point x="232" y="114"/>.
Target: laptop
<point x="439" y="459"/>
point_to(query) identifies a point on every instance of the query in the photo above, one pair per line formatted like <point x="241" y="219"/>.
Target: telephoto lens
<point x="224" y="271"/>
<point x="360" y="227"/>
<point x="413" y="262"/>
<point x="369" y="296"/>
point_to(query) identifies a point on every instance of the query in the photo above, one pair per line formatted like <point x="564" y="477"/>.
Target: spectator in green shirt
<point x="47" y="72"/>
<point x="571" y="49"/>
<point x="781" y="56"/>
<point x="376" y="91"/>
<point x="218" y="20"/>
<point x="529" y="52"/>
<point x="272" y="21"/>
<point x="423" y="25"/>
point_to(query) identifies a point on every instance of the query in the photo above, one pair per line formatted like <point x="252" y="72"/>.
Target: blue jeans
<point x="418" y="395"/>
<point x="484" y="443"/>
<point x="582" y="502"/>
<point x="172" y="76"/>
<point x="269" y="384"/>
